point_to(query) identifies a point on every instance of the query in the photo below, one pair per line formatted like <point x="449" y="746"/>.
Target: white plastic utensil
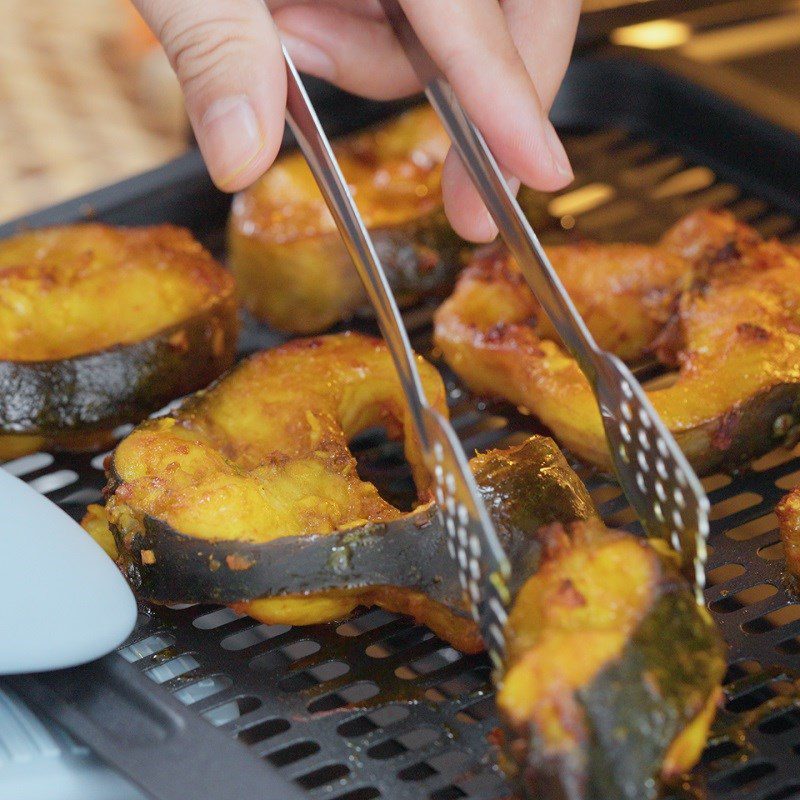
<point x="62" y="600"/>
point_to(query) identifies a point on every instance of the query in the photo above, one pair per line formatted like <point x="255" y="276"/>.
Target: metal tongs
<point x="483" y="568"/>
<point x="657" y="479"/>
<point x="654" y="474"/>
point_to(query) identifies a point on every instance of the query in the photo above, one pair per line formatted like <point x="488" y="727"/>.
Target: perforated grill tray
<point x="378" y="707"/>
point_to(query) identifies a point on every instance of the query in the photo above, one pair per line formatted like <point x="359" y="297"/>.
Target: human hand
<point x="505" y="60"/>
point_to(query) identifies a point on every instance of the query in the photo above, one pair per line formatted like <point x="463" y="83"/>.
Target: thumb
<point x="228" y="59"/>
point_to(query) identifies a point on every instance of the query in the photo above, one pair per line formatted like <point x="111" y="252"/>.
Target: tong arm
<point x="305" y="125"/>
<point x="503" y="206"/>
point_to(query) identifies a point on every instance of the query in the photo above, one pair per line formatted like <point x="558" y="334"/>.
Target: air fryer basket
<point x="378" y="707"/>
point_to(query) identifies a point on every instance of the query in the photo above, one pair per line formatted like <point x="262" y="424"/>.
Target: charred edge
<point x="741" y="433"/>
<point x="121" y="384"/>
<point x="409" y="553"/>
<point x="524" y="493"/>
<point x="625" y="720"/>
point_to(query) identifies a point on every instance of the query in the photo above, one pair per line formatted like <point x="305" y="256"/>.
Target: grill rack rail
<point x="377" y="707"/>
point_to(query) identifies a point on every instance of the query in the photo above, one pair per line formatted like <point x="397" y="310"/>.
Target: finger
<point x="544" y="32"/>
<point x="364" y="57"/>
<point x="477" y="54"/>
<point x="465" y="209"/>
<point x="481" y="62"/>
<point x="356" y="52"/>
<point x="330" y="41"/>
<point x="227" y="56"/>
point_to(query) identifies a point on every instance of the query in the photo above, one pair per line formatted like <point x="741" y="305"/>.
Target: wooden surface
<point x="82" y="101"/>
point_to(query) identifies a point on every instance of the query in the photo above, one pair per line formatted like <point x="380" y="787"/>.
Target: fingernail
<point x="486" y="229"/>
<point x="513" y="184"/>
<point x="557" y="152"/>
<point x="308" y="57"/>
<point x="230" y="136"/>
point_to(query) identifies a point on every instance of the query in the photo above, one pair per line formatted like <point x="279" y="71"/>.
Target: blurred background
<point x="87" y="98"/>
